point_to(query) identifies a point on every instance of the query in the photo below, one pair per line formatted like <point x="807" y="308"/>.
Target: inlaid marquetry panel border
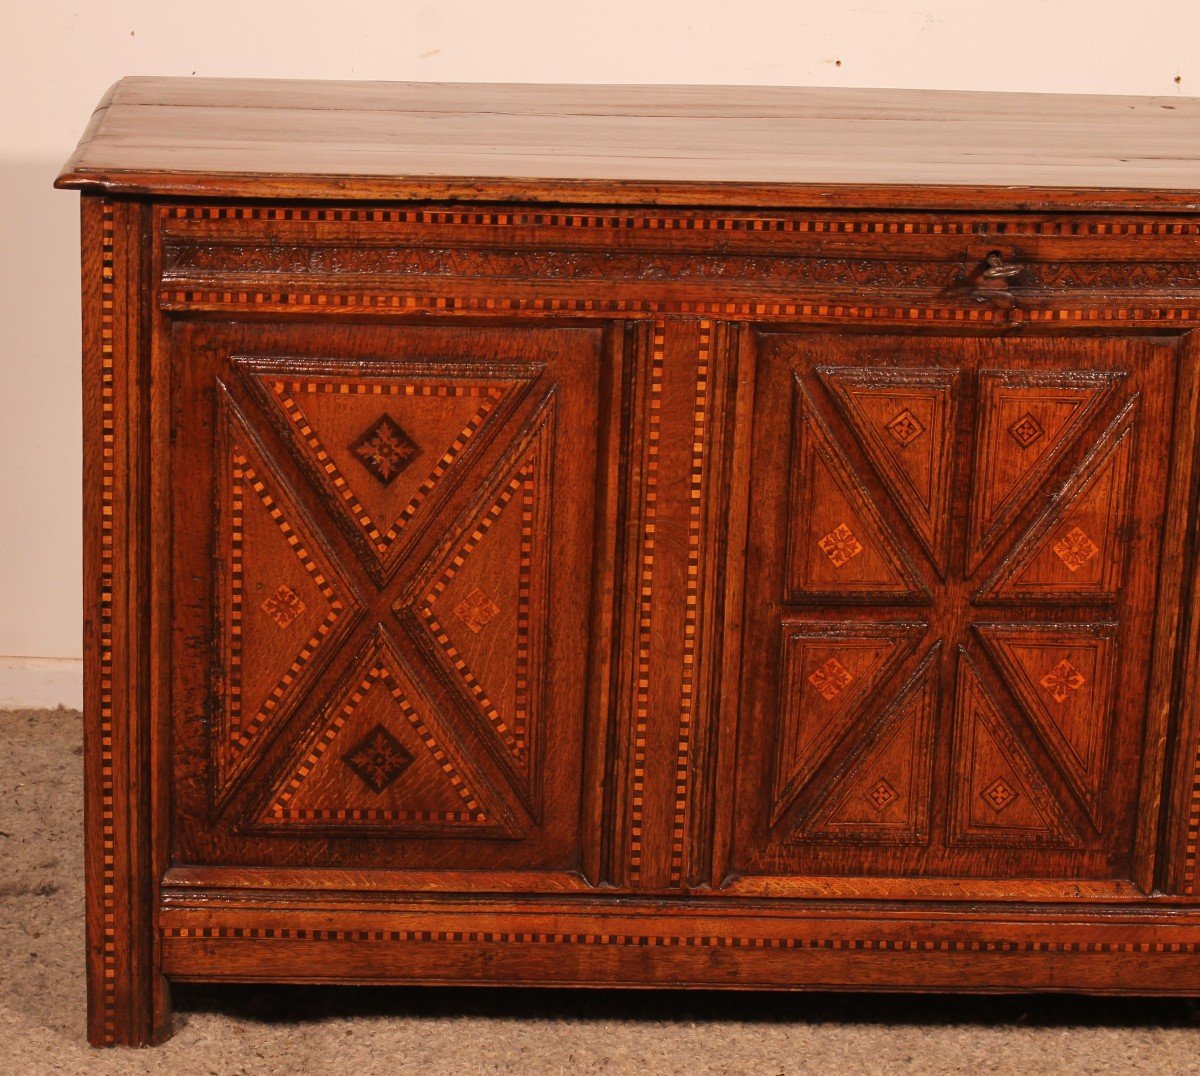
<point x="395" y="302"/>
<point x="691" y="623"/>
<point x="287" y="387"/>
<point x="281" y="811"/>
<point x="685" y="222"/>
<point x="108" y="906"/>
<point x="244" y="471"/>
<point x="1192" y="844"/>
<point x="681" y="941"/>
<point x="645" y="594"/>
<point x="523" y="482"/>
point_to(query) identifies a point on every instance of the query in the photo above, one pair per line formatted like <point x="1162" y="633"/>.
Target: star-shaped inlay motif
<point x="999" y="794"/>
<point x="840" y="545"/>
<point x="385" y="449"/>
<point x="881" y="795"/>
<point x="1062" y="680"/>
<point x="1076" y="549"/>
<point x="283" y="606"/>
<point x="378" y="759"/>
<point x="830" y="678"/>
<point x="1026" y="430"/>
<point x="905" y="427"/>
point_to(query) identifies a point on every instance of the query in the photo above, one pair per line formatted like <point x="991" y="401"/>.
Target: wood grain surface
<point x="793" y="590"/>
<point x="662" y="144"/>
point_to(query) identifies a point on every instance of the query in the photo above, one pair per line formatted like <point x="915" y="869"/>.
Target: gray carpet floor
<point x="335" y="1030"/>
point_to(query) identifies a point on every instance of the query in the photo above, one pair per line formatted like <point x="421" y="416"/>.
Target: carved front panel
<point x="365" y="600"/>
<point x="953" y="556"/>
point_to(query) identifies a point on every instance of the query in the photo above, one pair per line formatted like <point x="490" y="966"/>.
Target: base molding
<point x="1108" y="950"/>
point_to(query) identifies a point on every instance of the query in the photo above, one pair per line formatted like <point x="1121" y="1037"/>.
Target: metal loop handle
<point x="997" y="269"/>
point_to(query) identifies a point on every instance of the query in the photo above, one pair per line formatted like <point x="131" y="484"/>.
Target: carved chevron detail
<point x="840" y="547"/>
<point x="905" y="420"/>
<point x="480" y="604"/>
<point x="1075" y="550"/>
<point x="881" y="794"/>
<point x="999" y="796"/>
<point x="1028" y="420"/>
<point x="266" y="539"/>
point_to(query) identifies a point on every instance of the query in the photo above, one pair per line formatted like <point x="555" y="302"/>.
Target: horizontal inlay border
<point x="687" y="941"/>
<point x="974" y="226"/>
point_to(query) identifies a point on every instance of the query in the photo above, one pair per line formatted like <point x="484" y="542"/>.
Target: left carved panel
<point x="363" y="616"/>
<point x="283" y="604"/>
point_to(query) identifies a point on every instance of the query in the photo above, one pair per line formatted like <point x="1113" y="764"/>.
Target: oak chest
<point x="615" y="535"/>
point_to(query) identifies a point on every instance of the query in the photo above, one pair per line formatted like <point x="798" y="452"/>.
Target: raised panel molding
<point x="840" y="549"/>
<point x="905" y="420"/>
<point x="830" y="675"/>
<point x="479" y="605"/>
<point x="1062" y="675"/>
<point x="882" y="794"/>
<point x="283" y="604"/>
<point x="381" y="757"/>
<point x="1075" y="550"/>
<point x="1027" y="420"/>
<point x="382" y="442"/>
<point x="999" y="798"/>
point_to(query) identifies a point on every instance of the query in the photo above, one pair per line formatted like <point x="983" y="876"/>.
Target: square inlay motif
<point x="1026" y="430"/>
<point x="385" y="449"/>
<point x="905" y="427"/>
<point x="999" y="794"/>
<point x="840" y="545"/>
<point x="378" y="759"/>
<point x="881" y="795"/>
<point x="476" y="609"/>
<point x="283" y="606"/>
<point x="1062" y="680"/>
<point x="1076" y="549"/>
<point x="830" y="678"/>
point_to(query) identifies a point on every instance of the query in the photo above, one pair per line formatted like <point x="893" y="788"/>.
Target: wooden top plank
<point x="666" y="145"/>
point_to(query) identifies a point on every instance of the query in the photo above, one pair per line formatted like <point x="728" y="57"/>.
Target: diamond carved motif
<point x="905" y="427"/>
<point x="999" y="794"/>
<point x="840" y="545"/>
<point x="1062" y="680"/>
<point x="476" y="609"/>
<point x="881" y="795"/>
<point x="1076" y="549"/>
<point x="283" y="606"/>
<point x="831" y="678"/>
<point x="378" y="759"/>
<point x="1026" y="431"/>
<point x="385" y="449"/>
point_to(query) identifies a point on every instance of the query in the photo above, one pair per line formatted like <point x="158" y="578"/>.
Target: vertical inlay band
<point x="687" y="703"/>
<point x="644" y="602"/>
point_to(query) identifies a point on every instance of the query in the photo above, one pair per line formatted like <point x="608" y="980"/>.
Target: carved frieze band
<point x="506" y="251"/>
<point x="189" y="261"/>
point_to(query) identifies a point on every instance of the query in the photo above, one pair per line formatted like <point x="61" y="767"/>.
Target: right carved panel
<point x="952" y="559"/>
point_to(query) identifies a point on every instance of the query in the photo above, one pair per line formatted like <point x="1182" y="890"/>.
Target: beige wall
<point x="57" y="57"/>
